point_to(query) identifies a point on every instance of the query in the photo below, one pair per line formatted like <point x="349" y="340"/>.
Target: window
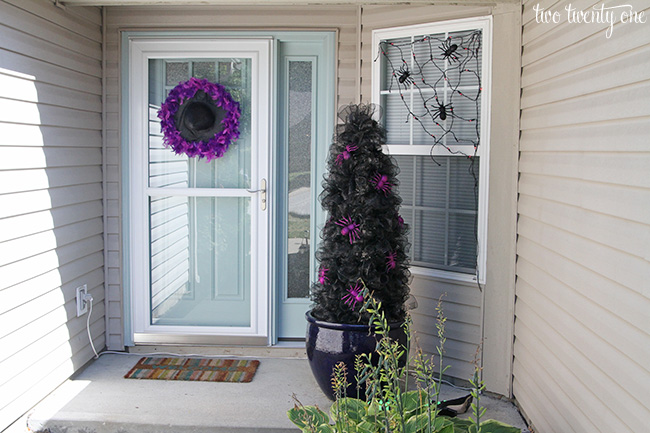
<point x="194" y="247"/>
<point x="432" y="83"/>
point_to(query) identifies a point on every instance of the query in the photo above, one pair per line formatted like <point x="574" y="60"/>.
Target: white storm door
<point x="199" y="232"/>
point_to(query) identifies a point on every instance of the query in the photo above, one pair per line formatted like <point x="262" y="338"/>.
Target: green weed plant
<point x="389" y="407"/>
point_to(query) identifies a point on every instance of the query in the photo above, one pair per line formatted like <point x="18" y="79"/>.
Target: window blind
<point x="440" y="206"/>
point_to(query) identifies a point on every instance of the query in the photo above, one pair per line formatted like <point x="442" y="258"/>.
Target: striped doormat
<point x="198" y="369"/>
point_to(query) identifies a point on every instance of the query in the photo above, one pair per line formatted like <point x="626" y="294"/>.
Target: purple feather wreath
<point x="217" y="146"/>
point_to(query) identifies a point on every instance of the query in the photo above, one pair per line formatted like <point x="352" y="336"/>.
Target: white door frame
<point x="259" y="50"/>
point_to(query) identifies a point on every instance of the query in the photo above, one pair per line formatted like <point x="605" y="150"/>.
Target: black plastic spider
<point x="448" y="50"/>
<point x="441" y="110"/>
<point x="404" y="75"/>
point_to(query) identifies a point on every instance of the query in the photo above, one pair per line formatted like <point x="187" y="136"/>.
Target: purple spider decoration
<point x="390" y="261"/>
<point x="381" y="183"/>
<point x="345" y="155"/>
<point x="354" y="295"/>
<point x="350" y="228"/>
<point x="322" y="275"/>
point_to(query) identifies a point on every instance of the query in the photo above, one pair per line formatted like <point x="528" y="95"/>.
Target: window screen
<point x="417" y="79"/>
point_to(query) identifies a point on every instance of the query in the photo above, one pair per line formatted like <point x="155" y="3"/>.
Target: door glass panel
<point x="299" y="104"/>
<point x="168" y="170"/>
<point x="205" y="70"/>
<point x="200" y="247"/>
<point x="176" y="72"/>
<point x="200" y="261"/>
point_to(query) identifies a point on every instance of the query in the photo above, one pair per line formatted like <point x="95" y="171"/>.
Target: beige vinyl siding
<point x="582" y="329"/>
<point x="461" y="303"/>
<point x="51" y="220"/>
<point x="342" y="19"/>
<point x="472" y="315"/>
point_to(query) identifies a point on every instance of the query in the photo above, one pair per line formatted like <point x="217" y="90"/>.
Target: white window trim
<point x="483" y="151"/>
<point x="140" y="50"/>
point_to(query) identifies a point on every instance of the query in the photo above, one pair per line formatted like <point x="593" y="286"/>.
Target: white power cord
<point x="89" y="298"/>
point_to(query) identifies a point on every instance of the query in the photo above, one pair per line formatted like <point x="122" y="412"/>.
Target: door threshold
<point x="290" y="343"/>
<point x="160" y="338"/>
<point x="289" y="350"/>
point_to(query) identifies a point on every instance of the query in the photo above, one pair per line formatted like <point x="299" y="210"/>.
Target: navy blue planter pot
<point x="330" y="343"/>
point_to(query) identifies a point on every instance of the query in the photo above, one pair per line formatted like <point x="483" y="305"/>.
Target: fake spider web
<point x="438" y="80"/>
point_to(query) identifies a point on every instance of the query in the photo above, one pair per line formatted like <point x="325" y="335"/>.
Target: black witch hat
<point x="199" y="118"/>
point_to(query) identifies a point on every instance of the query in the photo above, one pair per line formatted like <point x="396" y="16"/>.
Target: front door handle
<point x="261" y="190"/>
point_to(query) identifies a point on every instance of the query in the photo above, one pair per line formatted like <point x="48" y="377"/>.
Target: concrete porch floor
<point x="100" y="400"/>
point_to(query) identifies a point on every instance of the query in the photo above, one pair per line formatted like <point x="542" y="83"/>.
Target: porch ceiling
<point x="275" y="2"/>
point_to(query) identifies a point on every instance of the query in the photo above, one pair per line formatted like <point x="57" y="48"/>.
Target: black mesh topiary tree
<point x="364" y="238"/>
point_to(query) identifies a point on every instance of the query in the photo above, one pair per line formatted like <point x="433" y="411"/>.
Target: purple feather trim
<point x="217" y="146"/>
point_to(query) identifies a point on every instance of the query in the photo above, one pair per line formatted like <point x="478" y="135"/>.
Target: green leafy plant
<point x="389" y="407"/>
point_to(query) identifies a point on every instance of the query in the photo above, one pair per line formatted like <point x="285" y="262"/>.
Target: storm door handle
<point x="263" y="191"/>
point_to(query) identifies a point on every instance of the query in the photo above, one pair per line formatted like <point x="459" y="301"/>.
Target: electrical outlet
<point x="82" y="304"/>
